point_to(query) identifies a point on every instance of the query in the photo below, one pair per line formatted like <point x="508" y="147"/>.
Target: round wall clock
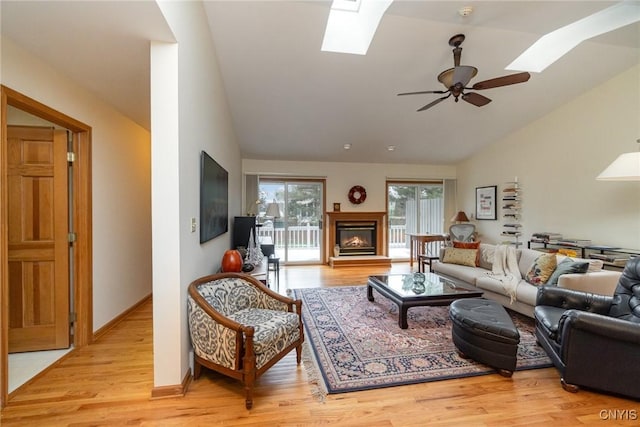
<point x="357" y="194"/>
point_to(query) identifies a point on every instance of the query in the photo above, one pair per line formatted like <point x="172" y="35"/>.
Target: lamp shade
<point x="273" y="210"/>
<point x="460" y="217"/>
<point x="625" y="168"/>
<point x="461" y="74"/>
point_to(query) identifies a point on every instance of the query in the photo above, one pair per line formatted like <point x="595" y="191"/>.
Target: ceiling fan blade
<point x="421" y="92"/>
<point x="431" y="104"/>
<point x="463" y="74"/>
<point x="502" y="81"/>
<point x="476" y="99"/>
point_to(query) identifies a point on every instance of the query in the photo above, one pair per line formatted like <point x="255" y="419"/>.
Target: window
<point x="413" y="208"/>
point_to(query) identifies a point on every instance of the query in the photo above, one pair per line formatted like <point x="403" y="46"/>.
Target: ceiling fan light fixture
<point x="447" y="76"/>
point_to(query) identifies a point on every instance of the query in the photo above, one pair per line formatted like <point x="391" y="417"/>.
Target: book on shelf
<point x="603" y="247"/>
<point x="612" y="258"/>
<point x="546" y="235"/>
<point x="513" y="225"/>
<point x="511" y="233"/>
<point x="574" y="242"/>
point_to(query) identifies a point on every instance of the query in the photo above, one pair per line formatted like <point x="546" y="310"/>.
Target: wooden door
<point x="38" y="249"/>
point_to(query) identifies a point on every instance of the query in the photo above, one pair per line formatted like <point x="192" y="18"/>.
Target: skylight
<point x="352" y="24"/>
<point x="551" y="47"/>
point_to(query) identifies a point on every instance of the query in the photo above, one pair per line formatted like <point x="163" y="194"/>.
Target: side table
<point x="261" y="272"/>
<point x="418" y="243"/>
<point x="424" y="260"/>
<point x="275" y="261"/>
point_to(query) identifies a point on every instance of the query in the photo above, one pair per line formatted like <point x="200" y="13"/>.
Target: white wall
<point x="203" y="123"/>
<point x="340" y="177"/>
<point x="557" y="159"/>
<point x="120" y="181"/>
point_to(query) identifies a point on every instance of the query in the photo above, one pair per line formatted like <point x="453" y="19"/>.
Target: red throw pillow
<point x="469" y="245"/>
<point x="466" y="245"/>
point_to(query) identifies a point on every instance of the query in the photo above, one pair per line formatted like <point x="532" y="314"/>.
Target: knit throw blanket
<point x="505" y="269"/>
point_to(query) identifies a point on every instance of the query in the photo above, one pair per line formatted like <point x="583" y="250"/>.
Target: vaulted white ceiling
<point x="290" y="101"/>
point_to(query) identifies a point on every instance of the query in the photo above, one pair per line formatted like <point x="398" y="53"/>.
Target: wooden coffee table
<point x="438" y="290"/>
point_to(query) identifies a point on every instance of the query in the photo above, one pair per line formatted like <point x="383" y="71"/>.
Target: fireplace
<point x="361" y="240"/>
<point x="356" y="237"/>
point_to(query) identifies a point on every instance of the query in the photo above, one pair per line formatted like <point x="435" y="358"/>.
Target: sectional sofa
<point x="477" y="269"/>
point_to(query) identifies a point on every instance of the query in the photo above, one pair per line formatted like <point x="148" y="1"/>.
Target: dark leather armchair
<point x="594" y="340"/>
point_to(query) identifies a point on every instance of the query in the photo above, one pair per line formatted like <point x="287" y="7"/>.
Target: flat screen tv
<point x="214" y="198"/>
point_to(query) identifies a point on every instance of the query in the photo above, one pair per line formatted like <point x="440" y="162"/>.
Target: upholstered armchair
<point x="241" y="328"/>
<point x="594" y="340"/>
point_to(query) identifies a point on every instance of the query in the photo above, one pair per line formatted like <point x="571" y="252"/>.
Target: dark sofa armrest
<point x="570" y="299"/>
<point x="595" y="324"/>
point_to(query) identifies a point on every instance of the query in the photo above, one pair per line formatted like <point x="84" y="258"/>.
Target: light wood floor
<point x="109" y="383"/>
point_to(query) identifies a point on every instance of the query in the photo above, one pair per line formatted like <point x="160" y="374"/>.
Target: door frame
<point x="81" y="213"/>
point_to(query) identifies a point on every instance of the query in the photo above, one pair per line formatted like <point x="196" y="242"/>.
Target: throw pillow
<point x="541" y="269"/>
<point x="469" y="245"/>
<point x="565" y="267"/>
<point x="460" y="256"/>
<point x="466" y="245"/>
<point x="487" y="253"/>
<point x="594" y="264"/>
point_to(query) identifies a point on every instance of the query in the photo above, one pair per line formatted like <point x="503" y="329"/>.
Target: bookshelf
<point x="511" y="199"/>
<point x="611" y="256"/>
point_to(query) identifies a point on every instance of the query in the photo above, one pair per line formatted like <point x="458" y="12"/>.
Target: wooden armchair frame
<point x="244" y="368"/>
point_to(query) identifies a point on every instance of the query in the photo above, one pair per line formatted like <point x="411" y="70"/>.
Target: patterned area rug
<point x="357" y="345"/>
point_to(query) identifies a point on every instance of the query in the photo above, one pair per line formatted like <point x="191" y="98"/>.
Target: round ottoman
<point x="483" y="331"/>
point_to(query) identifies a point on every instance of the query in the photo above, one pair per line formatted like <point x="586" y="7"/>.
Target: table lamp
<point x="460" y="217"/>
<point x="273" y="211"/>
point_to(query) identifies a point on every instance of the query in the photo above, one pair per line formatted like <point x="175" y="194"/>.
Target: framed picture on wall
<point x="486" y="202"/>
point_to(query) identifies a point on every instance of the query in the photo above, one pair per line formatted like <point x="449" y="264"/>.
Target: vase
<point x="418" y="283"/>
<point x="231" y="261"/>
<point x="254" y="252"/>
<point x="336" y="251"/>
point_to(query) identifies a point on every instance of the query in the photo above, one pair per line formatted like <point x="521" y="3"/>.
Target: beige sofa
<point x="595" y="280"/>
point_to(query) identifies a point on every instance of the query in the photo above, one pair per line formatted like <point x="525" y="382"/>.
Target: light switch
<point x="193" y="225"/>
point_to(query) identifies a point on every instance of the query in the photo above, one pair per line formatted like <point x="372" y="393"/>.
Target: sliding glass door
<point x="290" y="213"/>
<point x="413" y="208"/>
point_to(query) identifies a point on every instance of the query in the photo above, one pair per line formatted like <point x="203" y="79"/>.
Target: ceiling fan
<point x="456" y="79"/>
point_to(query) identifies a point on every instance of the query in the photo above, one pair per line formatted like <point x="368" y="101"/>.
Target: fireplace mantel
<point x="378" y="217"/>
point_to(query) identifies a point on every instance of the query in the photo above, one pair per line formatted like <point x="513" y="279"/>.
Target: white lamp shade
<point x="625" y="168"/>
<point x="273" y="210"/>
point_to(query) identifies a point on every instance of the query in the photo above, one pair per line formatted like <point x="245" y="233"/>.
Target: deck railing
<point x="310" y="236"/>
<point x="298" y="236"/>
